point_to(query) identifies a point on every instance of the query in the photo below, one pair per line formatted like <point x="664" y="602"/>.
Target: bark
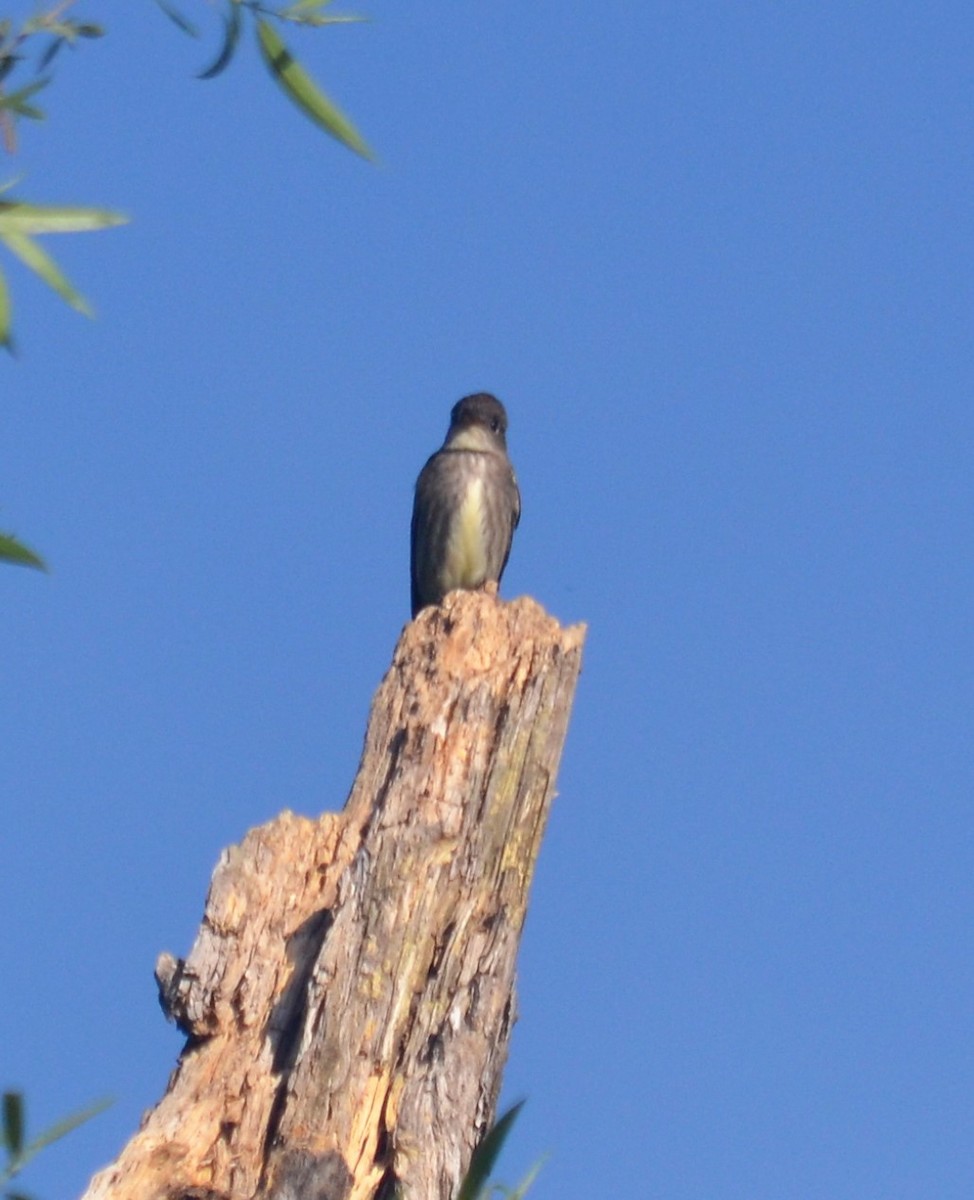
<point x="349" y="998"/>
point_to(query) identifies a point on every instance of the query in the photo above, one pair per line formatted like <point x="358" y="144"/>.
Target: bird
<point x="466" y="505"/>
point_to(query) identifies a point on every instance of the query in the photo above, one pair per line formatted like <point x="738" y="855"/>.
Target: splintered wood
<point x="349" y="998"/>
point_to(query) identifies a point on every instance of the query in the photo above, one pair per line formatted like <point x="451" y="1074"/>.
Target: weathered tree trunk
<point x="349" y="998"/>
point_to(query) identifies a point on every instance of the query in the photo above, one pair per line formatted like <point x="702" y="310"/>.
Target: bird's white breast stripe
<point x="465" y="563"/>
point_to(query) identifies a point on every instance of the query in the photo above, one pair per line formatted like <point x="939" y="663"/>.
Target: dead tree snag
<point x="349" y="997"/>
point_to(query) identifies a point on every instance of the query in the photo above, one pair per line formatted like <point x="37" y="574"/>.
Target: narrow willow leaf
<point x="298" y="85"/>
<point x="40" y="262"/>
<point x="319" y="22"/>
<point x="56" y="1132"/>
<point x="5" y="310"/>
<point x="16" y="552"/>
<point x="484" y="1157"/>
<point x="66" y="1125"/>
<point x="7" y="63"/>
<point x="13" y="1102"/>
<point x="29" y="111"/>
<point x="15" y="100"/>
<point x="231" y="36"/>
<point x="178" y="19"/>
<point x="17" y="217"/>
<point x="45" y="23"/>
<point x="526" y="1183"/>
<point x="305" y="12"/>
<point x="49" y="54"/>
<point x="30" y="90"/>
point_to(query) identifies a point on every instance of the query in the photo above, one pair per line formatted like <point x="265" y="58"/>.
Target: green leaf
<point x="318" y="22"/>
<point x="19" y="222"/>
<point x="67" y="1124"/>
<point x="49" y="54"/>
<point x="5" y="309"/>
<point x="231" y="36"/>
<point x="16" y="552"/>
<point x="484" y="1157"/>
<point x="29" y="111"/>
<point x="304" y="12"/>
<point x="7" y="63"/>
<point x="16" y="1165"/>
<point x="40" y="262"/>
<point x="13" y="1102"/>
<point x="305" y="93"/>
<point x="16" y="100"/>
<point x="522" y="1188"/>
<point x="178" y="19"/>
<point x="17" y="217"/>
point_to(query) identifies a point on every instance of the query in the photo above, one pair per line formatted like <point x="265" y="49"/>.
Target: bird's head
<point x="478" y="422"/>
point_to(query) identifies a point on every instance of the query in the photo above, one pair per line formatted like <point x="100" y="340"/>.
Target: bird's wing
<point x="513" y="502"/>
<point x="420" y="534"/>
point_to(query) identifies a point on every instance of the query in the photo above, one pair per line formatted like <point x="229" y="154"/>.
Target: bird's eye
<point x="495" y="424"/>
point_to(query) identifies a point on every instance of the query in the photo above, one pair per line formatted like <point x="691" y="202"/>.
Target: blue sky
<point x="718" y="261"/>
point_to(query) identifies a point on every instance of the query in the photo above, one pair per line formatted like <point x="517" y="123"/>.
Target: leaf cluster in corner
<point x="34" y="43"/>
<point x="13" y="1135"/>
<point x="20" y="222"/>
<point x="286" y="71"/>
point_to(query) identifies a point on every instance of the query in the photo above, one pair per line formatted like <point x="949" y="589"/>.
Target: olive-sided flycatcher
<point x="467" y="504"/>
